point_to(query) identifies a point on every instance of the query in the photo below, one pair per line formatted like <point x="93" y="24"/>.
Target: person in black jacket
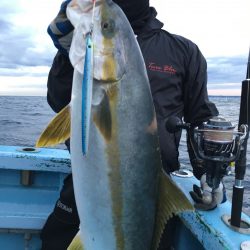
<point x="177" y="72"/>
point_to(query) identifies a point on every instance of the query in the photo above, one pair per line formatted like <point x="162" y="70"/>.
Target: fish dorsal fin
<point x="57" y="131"/>
<point x="171" y="201"/>
<point x="76" y="243"/>
<point x="102" y="117"/>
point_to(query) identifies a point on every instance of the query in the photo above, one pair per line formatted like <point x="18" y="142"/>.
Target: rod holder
<point x="244" y="227"/>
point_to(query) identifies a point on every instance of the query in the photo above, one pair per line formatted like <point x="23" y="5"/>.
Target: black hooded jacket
<point x="177" y="73"/>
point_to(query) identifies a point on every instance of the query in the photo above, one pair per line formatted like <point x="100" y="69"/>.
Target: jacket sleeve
<point x="197" y="107"/>
<point x="60" y="76"/>
<point x="59" y="82"/>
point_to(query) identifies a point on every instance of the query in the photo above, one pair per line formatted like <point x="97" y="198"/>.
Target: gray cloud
<point x="14" y="48"/>
<point x="18" y="48"/>
<point x="17" y="45"/>
<point x="5" y="26"/>
<point x="227" y="69"/>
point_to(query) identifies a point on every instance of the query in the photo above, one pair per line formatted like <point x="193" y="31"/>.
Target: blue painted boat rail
<point x="42" y="159"/>
<point x="207" y="226"/>
<point x="30" y="182"/>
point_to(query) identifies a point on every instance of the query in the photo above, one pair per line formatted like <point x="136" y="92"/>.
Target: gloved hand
<point x="205" y="197"/>
<point x="61" y="30"/>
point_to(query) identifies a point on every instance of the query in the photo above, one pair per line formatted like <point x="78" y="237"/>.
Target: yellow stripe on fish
<point x="115" y="181"/>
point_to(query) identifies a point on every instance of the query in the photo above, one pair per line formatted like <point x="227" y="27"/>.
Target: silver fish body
<point x="116" y="182"/>
<point x="123" y="197"/>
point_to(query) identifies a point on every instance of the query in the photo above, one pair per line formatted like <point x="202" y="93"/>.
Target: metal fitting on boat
<point x="28" y="150"/>
<point x="184" y="173"/>
<point x="244" y="225"/>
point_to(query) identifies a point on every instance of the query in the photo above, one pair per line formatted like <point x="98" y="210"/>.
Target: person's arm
<point x="197" y="107"/>
<point x="60" y="76"/>
<point x="59" y="83"/>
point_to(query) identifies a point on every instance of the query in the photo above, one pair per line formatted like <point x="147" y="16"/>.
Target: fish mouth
<point x="109" y="81"/>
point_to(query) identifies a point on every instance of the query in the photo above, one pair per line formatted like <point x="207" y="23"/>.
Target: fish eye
<point x="105" y="25"/>
<point x="108" y="28"/>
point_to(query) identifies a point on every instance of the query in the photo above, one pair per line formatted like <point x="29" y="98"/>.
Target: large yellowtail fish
<point x="123" y="196"/>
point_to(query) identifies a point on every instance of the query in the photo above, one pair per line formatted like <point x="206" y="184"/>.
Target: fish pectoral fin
<point x="76" y="243"/>
<point x="171" y="201"/>
<point x="57" y="131"/>
<point x="102" y="117"/>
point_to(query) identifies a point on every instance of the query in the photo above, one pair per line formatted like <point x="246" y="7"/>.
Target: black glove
<point x="205" y="197"/>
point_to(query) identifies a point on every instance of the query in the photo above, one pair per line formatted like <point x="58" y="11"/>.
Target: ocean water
<point x="23" y="118"/>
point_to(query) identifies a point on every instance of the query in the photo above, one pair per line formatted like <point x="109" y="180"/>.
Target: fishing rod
<point x="241" y="162"/>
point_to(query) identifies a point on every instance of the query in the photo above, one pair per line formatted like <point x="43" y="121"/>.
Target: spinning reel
<point x="216" y="142"/>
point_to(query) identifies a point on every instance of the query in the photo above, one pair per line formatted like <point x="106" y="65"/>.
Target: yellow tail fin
<point x="76" y="243"/>
<point x="57" y="131"/>
<point x="171" y="202"/>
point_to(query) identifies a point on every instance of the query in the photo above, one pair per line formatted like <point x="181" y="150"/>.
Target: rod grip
<point x="237" y="202"/>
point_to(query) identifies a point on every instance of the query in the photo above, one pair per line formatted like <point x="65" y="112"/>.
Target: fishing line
<point x="92" y="19"/>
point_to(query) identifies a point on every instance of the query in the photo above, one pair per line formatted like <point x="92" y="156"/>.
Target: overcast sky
<point x="219" y="27"/>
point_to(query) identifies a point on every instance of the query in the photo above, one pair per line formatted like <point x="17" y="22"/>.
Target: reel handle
<point x="174" y="124"/>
